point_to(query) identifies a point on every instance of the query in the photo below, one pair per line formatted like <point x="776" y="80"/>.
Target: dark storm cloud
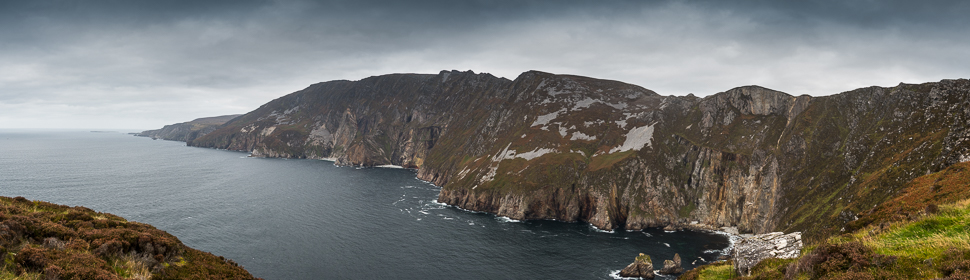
<point x="148" y="63"/>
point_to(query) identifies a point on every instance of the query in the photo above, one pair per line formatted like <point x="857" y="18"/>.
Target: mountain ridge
<point x="573" y="148"/>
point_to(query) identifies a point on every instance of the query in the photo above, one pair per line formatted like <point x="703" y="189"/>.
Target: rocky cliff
<point x="546" y="146"/>
<point x="187" y="131"/>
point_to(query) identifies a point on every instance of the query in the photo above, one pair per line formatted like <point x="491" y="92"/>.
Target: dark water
<point x="307" y="219"/>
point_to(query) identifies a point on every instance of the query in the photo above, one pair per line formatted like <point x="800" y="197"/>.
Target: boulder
<point x="749" y="251"/>
<point x="641" y="267"/>
<point x="672" y="266"/>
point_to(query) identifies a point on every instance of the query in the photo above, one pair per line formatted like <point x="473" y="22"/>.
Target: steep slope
<point x="187" y="131"/>
<point x="572" y="148"/>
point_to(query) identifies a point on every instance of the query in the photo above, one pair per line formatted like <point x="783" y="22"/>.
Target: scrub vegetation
<point x="41" y="240"/>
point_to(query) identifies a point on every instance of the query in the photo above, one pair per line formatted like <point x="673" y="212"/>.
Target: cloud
<point x="134" y="64"/>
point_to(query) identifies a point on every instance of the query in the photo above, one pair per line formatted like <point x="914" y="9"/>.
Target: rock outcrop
<point x="672" y="266"/>
<point x="187" y="131"/>
<point x="749" y="251"/>
<point x="570" y="148"/>
<point x="641" y="267"/>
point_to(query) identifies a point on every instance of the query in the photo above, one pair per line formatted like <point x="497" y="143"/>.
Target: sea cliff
<point x="616" y="155"/>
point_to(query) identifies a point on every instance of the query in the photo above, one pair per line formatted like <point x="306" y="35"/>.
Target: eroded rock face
<point x="749" y="251"/>
<point x="616" y="155"/>
<point x="641" y="267"/>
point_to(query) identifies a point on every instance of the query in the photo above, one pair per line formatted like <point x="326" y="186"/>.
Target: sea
<point x="309" y="219"/>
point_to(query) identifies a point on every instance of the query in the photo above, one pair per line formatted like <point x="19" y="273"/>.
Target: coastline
<point x="731" y="233"/>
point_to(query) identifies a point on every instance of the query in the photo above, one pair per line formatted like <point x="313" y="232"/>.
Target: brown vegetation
<point x="59" y="242"/>
<point x="921" y="196"/>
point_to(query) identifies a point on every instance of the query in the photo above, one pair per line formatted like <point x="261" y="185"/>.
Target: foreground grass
<point x="926" y="238"/>
<point x="717" y="270"/>
<point x="935" y="246"/>
<point x="924" y="233"/>
<point x="41" y="240"/>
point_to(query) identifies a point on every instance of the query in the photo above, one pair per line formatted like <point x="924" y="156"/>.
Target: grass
<point x="712" y="271"/>
<point x="926" y="238"/>
<point x="718" y="272"/>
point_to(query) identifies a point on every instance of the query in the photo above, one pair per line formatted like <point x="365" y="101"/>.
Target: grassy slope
<point x="41" y="240"/>
<point x="924" y="233"/>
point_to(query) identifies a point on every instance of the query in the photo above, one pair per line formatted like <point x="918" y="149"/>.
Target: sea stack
<point x="641" y="267"/>
<point x="672" y="266"/>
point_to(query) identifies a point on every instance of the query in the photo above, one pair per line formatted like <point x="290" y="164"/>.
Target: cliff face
<point x="572" y="148"/>
<point x="187" y="131"/>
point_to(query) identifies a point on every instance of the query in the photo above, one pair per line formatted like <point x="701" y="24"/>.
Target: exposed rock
<point x="749" y="251"/>
<point x="730" y="230"/>
<point x="641" y="267"/>
<point x="672" y="266"/>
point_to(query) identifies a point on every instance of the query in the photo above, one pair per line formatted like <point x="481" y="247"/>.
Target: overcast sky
<point x="142" y="64"/>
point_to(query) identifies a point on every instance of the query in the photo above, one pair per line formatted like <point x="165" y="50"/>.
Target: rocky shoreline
<point x="745" y="251"/>
<point x="642" y="267"/>
<point x="744" y="248"/>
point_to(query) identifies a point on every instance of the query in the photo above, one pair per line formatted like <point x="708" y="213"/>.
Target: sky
<point x="128" y="64"/>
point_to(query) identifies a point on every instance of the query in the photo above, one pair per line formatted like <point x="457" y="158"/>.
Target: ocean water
<point x="307" y="219"/>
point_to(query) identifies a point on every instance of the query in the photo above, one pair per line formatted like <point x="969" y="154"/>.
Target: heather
<point x="41" y="240"/>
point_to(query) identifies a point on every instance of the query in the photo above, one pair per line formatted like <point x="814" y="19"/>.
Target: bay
<point x="308" y="219"/>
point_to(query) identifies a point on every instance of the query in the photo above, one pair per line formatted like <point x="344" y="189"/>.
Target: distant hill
<point x="187" y="131"/>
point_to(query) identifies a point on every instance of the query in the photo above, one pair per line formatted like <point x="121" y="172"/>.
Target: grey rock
<point x="749" y="251"/>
